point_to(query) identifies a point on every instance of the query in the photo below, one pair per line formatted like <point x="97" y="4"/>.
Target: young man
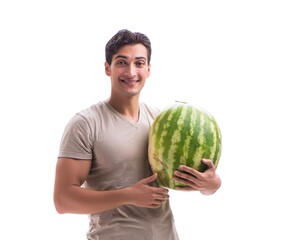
<point x="103" y="168"/>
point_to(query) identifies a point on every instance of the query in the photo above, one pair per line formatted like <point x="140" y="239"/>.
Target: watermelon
<point x="182" y="134"/>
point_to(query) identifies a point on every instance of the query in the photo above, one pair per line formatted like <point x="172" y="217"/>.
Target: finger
<point x="159" y="202"/>
<point x="208" y="162"/>
<point x="162" y="196"/>
<point x="184" y="177"/>
<point x="156" y="205"/>
<point x="186" y="180"/>
<point x="188" y="171"/>
<point x="190" y="182"/>
<point x="186" y="188"/>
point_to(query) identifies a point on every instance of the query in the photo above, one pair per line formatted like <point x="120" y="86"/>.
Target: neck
<point x="128" y="107"/>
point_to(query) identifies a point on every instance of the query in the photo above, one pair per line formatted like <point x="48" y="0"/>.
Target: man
<point x="103" y="168"/>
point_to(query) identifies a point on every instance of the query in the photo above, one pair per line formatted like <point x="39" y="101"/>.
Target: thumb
<point x="149" y="179"/>
<point x="209" y="163"/>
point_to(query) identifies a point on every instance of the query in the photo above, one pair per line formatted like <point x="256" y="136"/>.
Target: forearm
<point x="86" y="201"/>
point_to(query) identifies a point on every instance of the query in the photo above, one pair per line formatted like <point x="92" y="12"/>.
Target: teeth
<point x="129" y="81"/>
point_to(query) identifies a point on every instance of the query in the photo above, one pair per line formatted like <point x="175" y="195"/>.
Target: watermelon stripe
<point x="171" y="124"/>
<point x="193" y="140"/>
<point x="180" y="154"/>
<point x="208" y="137"/>
<point x="218" y="146"/>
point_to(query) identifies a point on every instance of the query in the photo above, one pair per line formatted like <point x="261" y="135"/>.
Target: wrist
<point x="127" y="196"/>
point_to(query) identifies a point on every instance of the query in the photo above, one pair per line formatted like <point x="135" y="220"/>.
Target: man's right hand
<point x="143" y="195"/>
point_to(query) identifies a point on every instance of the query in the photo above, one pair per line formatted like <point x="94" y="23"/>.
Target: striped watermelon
<point x="182" y="134"/>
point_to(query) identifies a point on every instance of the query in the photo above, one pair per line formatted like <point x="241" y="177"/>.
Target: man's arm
<point x="70" y="197"/>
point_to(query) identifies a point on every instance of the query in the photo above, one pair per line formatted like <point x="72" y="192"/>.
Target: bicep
<point x="71" y="172"/>
<point x="70" y="175"/>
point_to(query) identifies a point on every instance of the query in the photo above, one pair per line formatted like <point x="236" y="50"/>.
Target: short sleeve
<point x="76" y="141"/>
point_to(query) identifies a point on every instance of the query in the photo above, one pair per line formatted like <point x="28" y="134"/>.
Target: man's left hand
<point x="206" y="182"/>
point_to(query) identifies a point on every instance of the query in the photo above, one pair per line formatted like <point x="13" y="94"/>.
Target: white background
<point x="241" y="60"/>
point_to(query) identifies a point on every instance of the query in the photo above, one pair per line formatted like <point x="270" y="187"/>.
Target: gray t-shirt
<point x="118" y="150"/>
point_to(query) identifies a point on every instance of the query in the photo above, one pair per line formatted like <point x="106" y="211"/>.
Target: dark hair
<point x="126" y="37"/>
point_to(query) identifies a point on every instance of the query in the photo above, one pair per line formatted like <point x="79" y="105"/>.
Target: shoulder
<point x="86" y="118"/>
<point x="91" y="111"/>
<point x="95" y="114"/>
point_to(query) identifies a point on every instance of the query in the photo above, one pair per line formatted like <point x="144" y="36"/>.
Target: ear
<point x="148" y="72"/>
<point x="107" y="69"/>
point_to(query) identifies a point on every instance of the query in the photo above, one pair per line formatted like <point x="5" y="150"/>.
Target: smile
<point x="130" y="82"/>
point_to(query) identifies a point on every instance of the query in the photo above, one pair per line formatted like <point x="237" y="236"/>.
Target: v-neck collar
<point x="135" y="124"/>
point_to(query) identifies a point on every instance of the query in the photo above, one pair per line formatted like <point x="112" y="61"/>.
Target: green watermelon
<point x="182" y="134"/>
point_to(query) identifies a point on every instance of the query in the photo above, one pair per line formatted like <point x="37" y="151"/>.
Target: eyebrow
<point x="122" y="56"/>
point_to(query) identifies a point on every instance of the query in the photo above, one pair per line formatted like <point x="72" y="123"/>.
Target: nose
<point x="131" y="71"/>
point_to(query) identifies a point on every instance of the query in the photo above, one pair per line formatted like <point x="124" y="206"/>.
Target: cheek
<point x="145" y="74"/>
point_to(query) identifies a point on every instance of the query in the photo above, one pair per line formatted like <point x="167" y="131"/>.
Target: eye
<point x="140" y="63"/>
<point x="120" y="63"/>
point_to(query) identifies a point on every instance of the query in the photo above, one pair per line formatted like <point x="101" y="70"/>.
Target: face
<point x="128" y="71"/>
